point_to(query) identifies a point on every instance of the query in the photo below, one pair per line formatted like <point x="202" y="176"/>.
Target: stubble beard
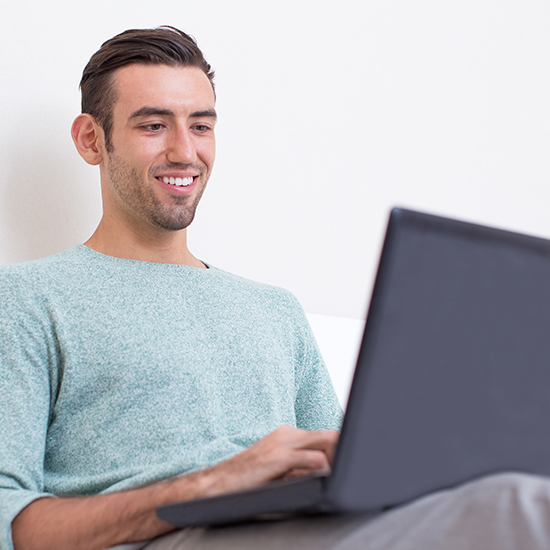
<point x="138" y="195"/>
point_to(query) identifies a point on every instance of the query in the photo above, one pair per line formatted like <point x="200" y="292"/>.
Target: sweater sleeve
<point x="25" y="387"/>
<point x="316" y="406"/>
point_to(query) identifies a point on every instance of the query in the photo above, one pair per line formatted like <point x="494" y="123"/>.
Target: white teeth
<point x="180" y="182"/>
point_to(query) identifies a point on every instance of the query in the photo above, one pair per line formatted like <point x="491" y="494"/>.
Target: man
<point x="132" y="374"/>
<point x="127" y="361"/>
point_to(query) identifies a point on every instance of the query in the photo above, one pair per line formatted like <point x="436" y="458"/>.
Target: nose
<point x="181" y="147"/>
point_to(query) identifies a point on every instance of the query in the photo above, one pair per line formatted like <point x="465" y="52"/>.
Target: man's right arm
<point x="98" y="522"/>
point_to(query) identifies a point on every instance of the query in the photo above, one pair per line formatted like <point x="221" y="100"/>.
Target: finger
<point x="308" y="459"/>
<point x="322" y="440"/>
<point x="302" y="472"/>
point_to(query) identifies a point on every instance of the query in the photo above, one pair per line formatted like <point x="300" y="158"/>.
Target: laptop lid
<point x="453" y="375"/>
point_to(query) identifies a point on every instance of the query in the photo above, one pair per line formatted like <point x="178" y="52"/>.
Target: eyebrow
<point x="156" y="111"/>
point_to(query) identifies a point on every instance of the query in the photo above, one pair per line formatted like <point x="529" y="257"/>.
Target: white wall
<point x="339" y="339"/>
<point x="330" y="112"/>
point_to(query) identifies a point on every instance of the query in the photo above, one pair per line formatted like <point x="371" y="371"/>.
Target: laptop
<point x="452" y="379"/>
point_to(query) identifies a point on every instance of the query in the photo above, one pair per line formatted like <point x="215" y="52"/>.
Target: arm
<point x="98" y="522"/>
<point x="316" y="404"/>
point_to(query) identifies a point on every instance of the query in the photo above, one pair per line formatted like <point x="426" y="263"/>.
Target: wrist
<point x="199" y="484"/>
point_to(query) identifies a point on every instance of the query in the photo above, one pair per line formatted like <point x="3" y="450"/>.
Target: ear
<point x="88" y="138"/>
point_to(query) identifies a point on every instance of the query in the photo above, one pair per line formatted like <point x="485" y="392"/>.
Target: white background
<point x="330" y="113"/>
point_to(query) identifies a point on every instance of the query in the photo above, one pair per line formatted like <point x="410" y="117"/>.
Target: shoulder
<point x="42" y="266"/>
<point x="253" y="290"/>
<point x="34" y="278"/>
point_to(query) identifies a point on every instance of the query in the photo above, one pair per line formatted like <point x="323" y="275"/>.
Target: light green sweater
<point x="116" y="373"/>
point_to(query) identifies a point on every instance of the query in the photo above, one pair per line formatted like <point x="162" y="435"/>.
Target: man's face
<point x="163" y="145"/>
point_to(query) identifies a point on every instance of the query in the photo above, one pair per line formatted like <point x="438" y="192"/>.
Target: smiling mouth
<point x="179" y="182"/>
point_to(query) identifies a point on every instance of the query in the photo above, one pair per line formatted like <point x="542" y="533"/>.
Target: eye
<point x="155" y="127"/>
<point x="201" y="128"/>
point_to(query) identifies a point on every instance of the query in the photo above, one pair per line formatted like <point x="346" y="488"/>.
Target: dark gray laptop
<point x="452" y="380"/>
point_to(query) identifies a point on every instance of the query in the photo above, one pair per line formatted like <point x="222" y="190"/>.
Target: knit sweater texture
<point x="117" y="373"/>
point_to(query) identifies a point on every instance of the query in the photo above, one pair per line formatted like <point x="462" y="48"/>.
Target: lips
<point x="179" y="182"/>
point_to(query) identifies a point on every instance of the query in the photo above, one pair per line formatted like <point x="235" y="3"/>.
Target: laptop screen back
<point x="453" y="376"/>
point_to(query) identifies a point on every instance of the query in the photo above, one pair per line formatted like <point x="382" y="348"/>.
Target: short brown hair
<point x="161" y="46"/>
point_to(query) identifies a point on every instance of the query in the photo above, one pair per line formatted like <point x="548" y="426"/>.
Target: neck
<point x="165" y="247"/>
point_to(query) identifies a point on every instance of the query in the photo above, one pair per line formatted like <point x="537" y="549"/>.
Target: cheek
<point x="207" y="152"/>
<point x="142" y="155"/>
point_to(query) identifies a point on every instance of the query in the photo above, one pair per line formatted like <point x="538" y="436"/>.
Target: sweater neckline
<point x="86" y="250"/>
